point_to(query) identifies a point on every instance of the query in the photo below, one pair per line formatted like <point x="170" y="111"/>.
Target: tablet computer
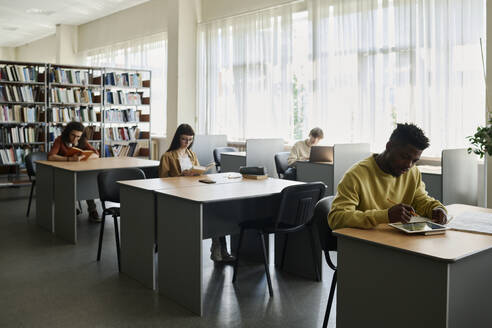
<point x="426" y="227"/>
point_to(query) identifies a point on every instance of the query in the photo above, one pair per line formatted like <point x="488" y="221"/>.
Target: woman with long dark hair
<point x="178" y="160"/>
<point x="73" y="136"/>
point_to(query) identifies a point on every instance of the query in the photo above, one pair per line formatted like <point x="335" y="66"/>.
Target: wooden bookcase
<point x="38" y="99"/>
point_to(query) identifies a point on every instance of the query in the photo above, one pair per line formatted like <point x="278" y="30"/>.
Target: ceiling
<point x="23" y="21"/>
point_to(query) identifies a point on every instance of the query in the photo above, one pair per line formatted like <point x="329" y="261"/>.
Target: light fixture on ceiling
<point x="37" y="11"/>
<point x="9" y="28"/>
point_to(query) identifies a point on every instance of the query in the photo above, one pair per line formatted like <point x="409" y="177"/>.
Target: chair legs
<point x="284" y="250"/>
<point x="234" y="276"/>
<point x="33" y="183"/>
<point x="330" y="299"/>
<point x="101" y="235"/>
<point x="317" y="269"/>
<point x="117" y="238"/>
<point x="265" y="261"/>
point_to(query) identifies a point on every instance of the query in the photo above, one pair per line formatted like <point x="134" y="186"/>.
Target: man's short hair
<point x="407" y="133"/>
<point x="317" y="133"/>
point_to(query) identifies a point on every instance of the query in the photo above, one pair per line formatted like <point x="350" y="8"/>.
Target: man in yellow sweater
<point x="369" y="190"/>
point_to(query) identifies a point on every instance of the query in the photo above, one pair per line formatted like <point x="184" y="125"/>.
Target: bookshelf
<point x="127" y="112"/>
<point x="75" y="94"/>
<point x="22" y="114"/>
<point x="38" y="99"/>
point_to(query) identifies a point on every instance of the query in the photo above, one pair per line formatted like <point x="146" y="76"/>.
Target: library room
<point x="260" y="163"/>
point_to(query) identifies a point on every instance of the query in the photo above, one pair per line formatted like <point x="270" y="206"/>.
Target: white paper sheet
<point x="473" y="222"/>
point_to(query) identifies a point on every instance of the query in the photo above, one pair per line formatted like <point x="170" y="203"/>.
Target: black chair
<point x="109" y="191"/>
<point x="328" y="243"/>
<point x="295" y="213"/>
<point x="220" y="150"/>
<point x="281" y="163"/>
<point x="31" y="172"/>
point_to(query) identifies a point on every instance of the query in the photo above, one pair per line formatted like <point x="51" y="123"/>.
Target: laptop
<point x="321" y="154"/>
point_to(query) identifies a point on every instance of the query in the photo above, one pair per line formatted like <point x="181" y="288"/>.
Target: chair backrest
<point x="218" y="151"/>
<point x="298" y="202"/>
<point x="327" y="241"/>
<point x="109" y="190"/>
<point x="31" y="162"/>
<point x="281" y="162"/>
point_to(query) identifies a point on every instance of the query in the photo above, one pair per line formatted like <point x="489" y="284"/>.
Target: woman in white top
<point x="178" y="161"/>
<point x="301" y="151"/>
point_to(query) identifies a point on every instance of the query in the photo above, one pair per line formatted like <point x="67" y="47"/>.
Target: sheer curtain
<point x="245" y="75"/>
<point x="145" y="53"/>
<point x="378" y="62"/>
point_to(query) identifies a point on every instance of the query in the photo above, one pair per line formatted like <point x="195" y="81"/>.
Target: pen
<point x="395" y="203"/>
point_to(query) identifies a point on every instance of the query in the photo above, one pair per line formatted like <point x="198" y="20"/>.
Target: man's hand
<point x="400" y="213"/>
<point x="439" y="215"/>
<point x="187" y="173"/>
<point x="75" y="158"/>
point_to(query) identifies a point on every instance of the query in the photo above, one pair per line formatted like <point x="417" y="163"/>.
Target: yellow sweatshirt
<point x="363" y="193"/>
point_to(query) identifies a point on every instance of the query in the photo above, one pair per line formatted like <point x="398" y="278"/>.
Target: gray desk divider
<point x="261" y="152"/>
<point x="459" y="177"/>
<point x="204" y="145"/>
<point x="346" y="155"/>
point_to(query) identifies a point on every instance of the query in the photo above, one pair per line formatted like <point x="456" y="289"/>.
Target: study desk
<point x="138" y="225"/>
<point x="59" y="185"/>
<point x="231" y="161"/>
<point x="188" y="215"/>
<point x="389" y="279"/>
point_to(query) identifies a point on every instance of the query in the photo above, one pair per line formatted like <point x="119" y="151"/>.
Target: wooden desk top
<point x="180" y="182"/>
<point x="245" y="188"/>
<point x="235" y="153"/>
<point x="449" y="247"/>
<point x="430" y="169"/>
<point x="104" y="163"/>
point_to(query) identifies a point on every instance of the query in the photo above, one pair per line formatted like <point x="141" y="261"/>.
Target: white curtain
<point x="245" y="75"/>
<point x="144" y="53"/>
<point x="379" y="62"/>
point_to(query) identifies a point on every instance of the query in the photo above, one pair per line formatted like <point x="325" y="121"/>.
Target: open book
<point x="77" y="151"/>
<point x="197" y="169"/>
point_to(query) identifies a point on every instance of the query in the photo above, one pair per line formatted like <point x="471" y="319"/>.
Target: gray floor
<point x="45" y="282"/>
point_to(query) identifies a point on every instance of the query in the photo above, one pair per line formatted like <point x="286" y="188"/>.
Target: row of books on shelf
<point x="123" y="98"/>
<point x="130" y="150"/>
<point x="21" y="114"/>
<point x="21" y="134"/>
<point x="17" y="73"/>
<point x="79" y="114"/>
<point x="10" y="156"/>
<point x="133" y="80"/>
<point x="73" y="96"/>
<point x="125" y="133"/>
<point x="24" y="93"/>
<point x="122" y="115"/>
<point x="68" y="76"/>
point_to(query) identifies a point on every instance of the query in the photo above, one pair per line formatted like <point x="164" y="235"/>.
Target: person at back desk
<point x="301" y="152"/>
<point x="178" y="160"/>
<point x="369" y="190"/>
<point x="73" y="136"/>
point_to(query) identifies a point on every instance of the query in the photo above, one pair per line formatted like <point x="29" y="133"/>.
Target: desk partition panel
<point x="459" y="177"/>
<point x="346" y="155"/>
<point x="261" y="152"/>
<point x="204" y="145"/>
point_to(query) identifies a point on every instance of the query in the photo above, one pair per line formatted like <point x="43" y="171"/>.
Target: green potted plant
<point x="481" y="141"/>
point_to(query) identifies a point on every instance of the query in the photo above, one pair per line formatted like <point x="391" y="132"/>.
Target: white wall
<point x="213" y="9"/>
<point x="42" y="50"/>
<point x="7" y="53"/>
<point x="135" y="22"/>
